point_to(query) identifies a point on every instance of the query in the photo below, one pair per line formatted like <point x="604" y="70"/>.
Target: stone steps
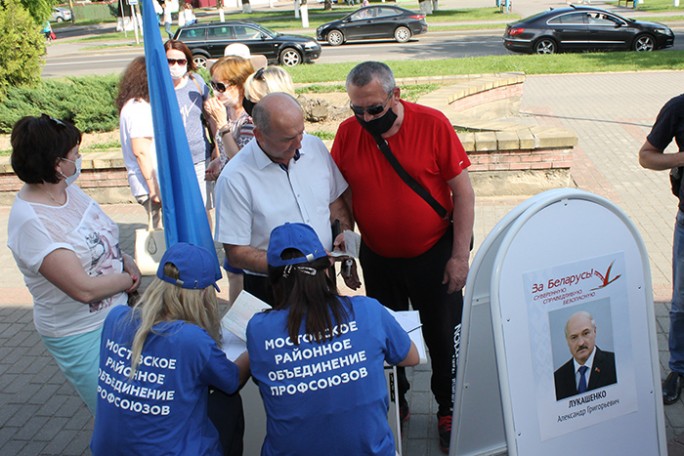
<point x="507" y="151"/>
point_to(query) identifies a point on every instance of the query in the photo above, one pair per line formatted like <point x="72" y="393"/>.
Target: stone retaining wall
<point x="103" y="177"/>
<point x="510" y="155"/>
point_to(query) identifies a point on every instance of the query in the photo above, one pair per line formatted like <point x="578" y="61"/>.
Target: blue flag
<point x="185" y="218"/>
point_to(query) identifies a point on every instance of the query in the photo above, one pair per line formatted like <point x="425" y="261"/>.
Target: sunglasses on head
<point x="180" y="62"/>
<point x="371" y="110"/>
<point x="259" y="75"/>
<point x="219" y="86"/>
<point x="52" y="119"/>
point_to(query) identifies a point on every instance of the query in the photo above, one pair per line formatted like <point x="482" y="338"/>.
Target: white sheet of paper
<point x="242" y="310"/>
<point x="410" y="321"/>
<point x="352" y="243"/>
<point x="231" y="344"/>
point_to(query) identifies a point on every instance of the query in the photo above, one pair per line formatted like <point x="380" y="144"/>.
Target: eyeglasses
<point x="180" y="62"/>
<point x="78" y="155"/>
<point x="259" y="75"/>
<point x="371" y="110"/>
<point x="219" y="86"/>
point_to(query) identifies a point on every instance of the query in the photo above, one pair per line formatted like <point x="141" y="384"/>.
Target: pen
<point x="411" y="330"/>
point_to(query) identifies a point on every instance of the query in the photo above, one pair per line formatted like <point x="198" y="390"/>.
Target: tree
<point x="40" y="10"/>
<point x="21" y="47"/>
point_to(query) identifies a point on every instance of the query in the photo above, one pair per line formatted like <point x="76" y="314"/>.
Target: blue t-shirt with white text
<point x="163" y="410"/>
<point x="327" y="398"/>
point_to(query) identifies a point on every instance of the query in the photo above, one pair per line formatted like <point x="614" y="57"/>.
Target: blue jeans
<point x="677" y="309"/>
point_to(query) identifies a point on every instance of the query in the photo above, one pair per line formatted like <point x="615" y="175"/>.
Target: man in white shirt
<point x="282" y="175"/>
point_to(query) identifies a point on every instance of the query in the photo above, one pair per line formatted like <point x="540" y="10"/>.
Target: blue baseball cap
<point x="196" y="266"/>
<point x="298" y="236"/>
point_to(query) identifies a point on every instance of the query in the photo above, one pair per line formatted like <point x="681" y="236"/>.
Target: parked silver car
<point x="60" y="14"/>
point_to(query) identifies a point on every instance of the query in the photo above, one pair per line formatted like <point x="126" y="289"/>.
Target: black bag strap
<point x="410" y="181"/>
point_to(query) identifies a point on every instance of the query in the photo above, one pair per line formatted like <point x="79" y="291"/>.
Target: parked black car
<point x="373" y="22"/>
<point x="208" y="40"/>
<point x="584" y="28"/>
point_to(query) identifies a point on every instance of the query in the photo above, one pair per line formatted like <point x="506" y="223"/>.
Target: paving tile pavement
<point x="611" y="113"/>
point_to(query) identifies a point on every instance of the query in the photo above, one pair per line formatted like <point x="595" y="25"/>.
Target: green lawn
<point x="659" y="6"/>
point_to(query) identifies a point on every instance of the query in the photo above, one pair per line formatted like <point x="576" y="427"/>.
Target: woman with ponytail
<point x="318" y="357"/>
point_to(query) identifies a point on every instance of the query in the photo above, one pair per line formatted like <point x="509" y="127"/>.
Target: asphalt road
<point x="81" y="60"/>
<point x="68" y="59"/>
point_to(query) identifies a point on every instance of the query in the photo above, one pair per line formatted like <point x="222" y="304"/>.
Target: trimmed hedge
<point x="87" y="101"/>
<point x="95" y="12"/>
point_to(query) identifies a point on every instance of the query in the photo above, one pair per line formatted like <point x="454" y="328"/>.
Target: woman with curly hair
<point x="136" y="132"/>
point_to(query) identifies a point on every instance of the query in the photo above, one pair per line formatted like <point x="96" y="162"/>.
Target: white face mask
<point x="228" y="99"/>
<point x="71" y="179"/>
<point x="178" y="71"/>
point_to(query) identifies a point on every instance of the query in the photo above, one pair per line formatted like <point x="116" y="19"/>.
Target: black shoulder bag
<point x="410" y="181"/>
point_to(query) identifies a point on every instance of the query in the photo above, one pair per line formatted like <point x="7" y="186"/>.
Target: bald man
<point x="590" y="367"/>
<point x="282" y="175"/>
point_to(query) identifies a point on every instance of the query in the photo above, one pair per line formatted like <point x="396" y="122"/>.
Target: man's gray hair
<point x="364" y="73"/>
<point x="262" y="116"/>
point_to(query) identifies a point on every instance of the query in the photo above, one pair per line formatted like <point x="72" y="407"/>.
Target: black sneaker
<point x="444" y="429"/>
<point x="672" y="388"/>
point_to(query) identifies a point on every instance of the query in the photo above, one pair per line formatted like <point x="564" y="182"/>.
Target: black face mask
<point x="377" y="127"/>
<point x="248" y="105"/>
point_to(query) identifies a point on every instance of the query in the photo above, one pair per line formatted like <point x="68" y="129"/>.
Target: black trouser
<point x="259" y="286"/>
<point x="225" y="411"/>
<point x="395" y="281"/>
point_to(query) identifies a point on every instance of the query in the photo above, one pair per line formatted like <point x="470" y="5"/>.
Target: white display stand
<point x="559" y="253"/>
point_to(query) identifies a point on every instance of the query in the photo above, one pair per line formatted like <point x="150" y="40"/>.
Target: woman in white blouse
<point x="67" y="249"/>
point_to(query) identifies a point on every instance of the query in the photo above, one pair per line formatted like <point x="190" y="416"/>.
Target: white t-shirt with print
<point x="80" y="225"/>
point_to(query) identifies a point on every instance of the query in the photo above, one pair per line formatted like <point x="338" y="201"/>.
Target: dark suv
<point x="208" y="40"/>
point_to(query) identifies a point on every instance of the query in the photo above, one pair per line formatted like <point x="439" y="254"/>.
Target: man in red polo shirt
<point x="409" y="251"/>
